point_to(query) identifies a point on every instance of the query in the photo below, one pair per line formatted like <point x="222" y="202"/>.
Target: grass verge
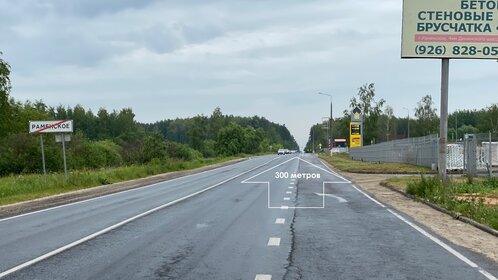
<point x="454" y="195"/>
<point x="344" y="163"/>
<point x="27" y="187"/>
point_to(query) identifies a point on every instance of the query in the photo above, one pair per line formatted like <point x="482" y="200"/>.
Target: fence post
<point x="490" y="157"/>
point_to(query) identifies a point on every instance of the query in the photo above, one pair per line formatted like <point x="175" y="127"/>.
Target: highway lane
<point x="253" y="226"/>
<point x="30" y="236"/>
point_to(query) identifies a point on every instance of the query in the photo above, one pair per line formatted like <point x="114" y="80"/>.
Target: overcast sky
<point x="168" y="59"/>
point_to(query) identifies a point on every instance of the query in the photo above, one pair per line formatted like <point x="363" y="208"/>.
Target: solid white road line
<point x="263" y="277"/>
<point x="369" y="197"/>
<point x="284" y="207"/>
<point x="280" y="221"/>
<point x="247" y="180"/>
<point x="444" y="245"/>
<point x="115" y="226"/>
<point x="425" y="233"/>
<point x="274" y="241"/>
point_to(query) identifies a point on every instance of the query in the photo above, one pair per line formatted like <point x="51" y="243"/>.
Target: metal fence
<point x="478" y="153"/>
<point x="486" y="151"/>
<point x="422" y="151"/>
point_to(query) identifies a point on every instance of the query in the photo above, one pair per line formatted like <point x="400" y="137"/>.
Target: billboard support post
<point x="443" y="127"/>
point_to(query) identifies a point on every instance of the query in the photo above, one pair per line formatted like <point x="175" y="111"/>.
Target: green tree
<point x="427" y="120"/>
<point x="154" y="147"/>
<point x="230" y="140"/>
<point x="489" y="119"/>
<point x="5" y="107"/>
<point x="197" y="133"/>
<point x="371" y="108"/>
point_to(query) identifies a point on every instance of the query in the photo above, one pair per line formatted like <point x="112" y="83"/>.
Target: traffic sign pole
<point x="43" y="155"/>
<point x="64" y="154"/>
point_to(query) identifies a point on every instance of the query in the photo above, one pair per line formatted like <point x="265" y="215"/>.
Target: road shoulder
<point x="455" y="231"/>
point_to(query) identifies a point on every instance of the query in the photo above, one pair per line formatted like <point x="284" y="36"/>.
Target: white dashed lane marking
<point x="286" y="198"/>
<point x="263" y="277"/>
<point x="280" y="221"/>
<point x="288" y="192"/>
<point x="274" y="241"/>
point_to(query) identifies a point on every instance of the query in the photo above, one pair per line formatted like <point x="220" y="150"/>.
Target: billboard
<point x="450" y="29"/>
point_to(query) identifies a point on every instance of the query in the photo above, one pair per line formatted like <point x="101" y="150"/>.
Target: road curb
<point x="454" y="215"/>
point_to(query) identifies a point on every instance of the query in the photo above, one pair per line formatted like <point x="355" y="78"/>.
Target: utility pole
<point x="331" y="119"/>
<point x="408" y="113"/>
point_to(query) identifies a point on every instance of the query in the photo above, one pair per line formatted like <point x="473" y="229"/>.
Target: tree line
<point x="381" y="125"/>
<point x="107" y="139"/>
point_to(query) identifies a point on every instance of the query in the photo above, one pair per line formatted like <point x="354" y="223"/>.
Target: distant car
<point x="281" y="152"/>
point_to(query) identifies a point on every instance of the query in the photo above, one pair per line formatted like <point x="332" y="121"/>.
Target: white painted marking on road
<point x="295" y="207"/>
<point x="274" y="241"/>
<point x="288" y="192"/>
<point x="247" y="180"/>
<point x="291" y="188"/>
<point x="369" y="197"/>
<point x="341" y="200"/>
<point x="360" y="191"/>
<point x="280" y="221"/>
<point x="328" y="171"/>
<point x="263" y="277"/>
<point x="122" y="192"/>
<point x="444" y="245"/>
<point x="115" y="226"/>
<point x="487" y="274"/>
<point x="286" y="198"/>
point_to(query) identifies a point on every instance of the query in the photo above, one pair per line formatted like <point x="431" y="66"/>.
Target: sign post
<point x="62" y="127"/>
<point x="43" y="155"/>
<point x="449" y="29"/>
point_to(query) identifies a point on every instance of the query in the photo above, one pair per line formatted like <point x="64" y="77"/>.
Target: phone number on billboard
<point x="456" y="50"/>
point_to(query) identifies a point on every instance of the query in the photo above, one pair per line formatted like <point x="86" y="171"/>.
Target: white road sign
<point x="51" y="126"/>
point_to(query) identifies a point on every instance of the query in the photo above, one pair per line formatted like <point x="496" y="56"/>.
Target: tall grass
<point x="445" y="195"/>
<point x="26" y="187"/>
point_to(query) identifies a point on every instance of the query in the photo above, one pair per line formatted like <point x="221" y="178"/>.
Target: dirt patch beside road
<point x="65" y="198"/>
<point x="457" y="232"/>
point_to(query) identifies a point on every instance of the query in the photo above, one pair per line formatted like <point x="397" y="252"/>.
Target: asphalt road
<point x="235" y="222"/>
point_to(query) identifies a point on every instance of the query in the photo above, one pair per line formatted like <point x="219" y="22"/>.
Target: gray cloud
<point x="170" y="59"/>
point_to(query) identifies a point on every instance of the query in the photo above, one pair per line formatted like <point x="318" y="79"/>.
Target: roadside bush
<point x="20" y="153"/>
<point x="154" y="148"/>
<point x="95" y="154"/>
<point x="182" y="151"/>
